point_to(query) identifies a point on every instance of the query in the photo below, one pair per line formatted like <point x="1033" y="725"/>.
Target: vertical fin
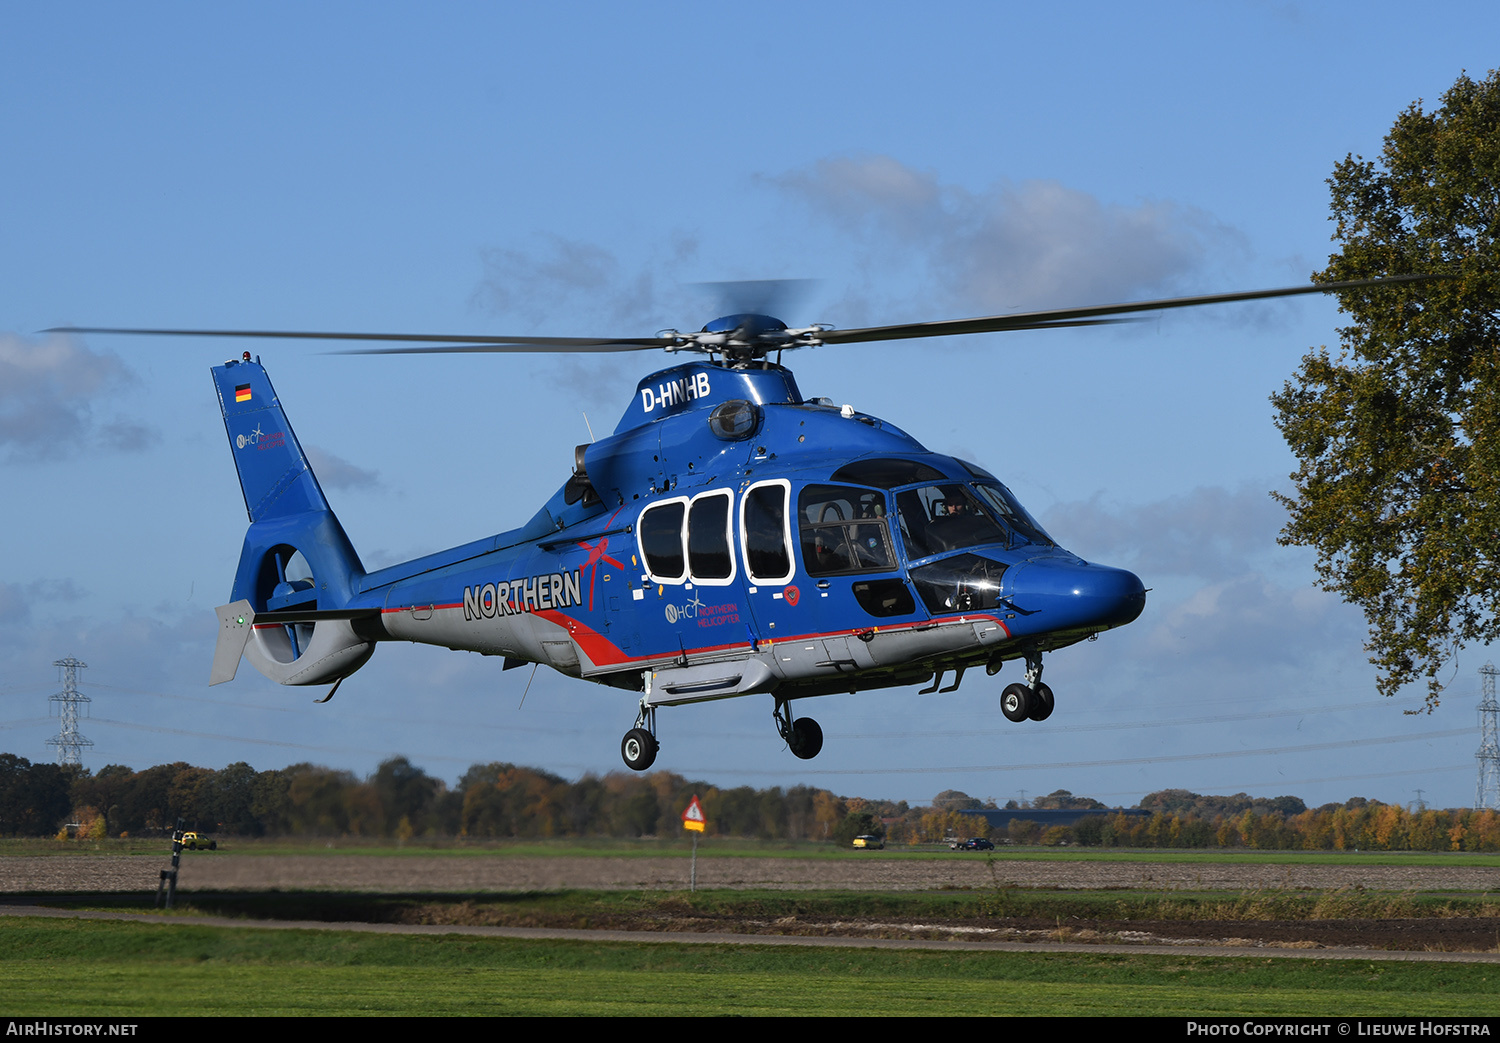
<point x="274" y="475"/>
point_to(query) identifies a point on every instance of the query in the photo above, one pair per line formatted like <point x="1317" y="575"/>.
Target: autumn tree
<point x="1398" y="433"/>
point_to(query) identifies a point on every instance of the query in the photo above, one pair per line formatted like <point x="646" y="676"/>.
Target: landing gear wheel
<point x="639" y="749"/>
<point x="1041" y="708"/>
<point x="1016" y="702"/>
<point x="807" y="738"/>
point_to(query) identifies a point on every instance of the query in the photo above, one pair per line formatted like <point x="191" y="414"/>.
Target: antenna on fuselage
<point x="528" y="685"/>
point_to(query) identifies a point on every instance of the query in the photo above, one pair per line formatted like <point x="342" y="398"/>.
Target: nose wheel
<point x="1032" y="701"/>
<point x="1015" y="702"/>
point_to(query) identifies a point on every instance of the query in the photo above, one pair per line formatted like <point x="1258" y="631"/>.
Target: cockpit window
<point x="940" y="518"/>
<point x="1013" y="514"/>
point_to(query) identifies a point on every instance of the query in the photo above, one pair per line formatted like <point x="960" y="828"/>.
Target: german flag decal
<point x="242" y="393"/>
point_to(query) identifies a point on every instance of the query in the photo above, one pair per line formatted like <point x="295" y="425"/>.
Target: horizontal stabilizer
<point x="236" y="620"/>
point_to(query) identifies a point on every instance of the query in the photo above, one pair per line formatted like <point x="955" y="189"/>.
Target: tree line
<point x="398" y="800"/>
<point x="499" y="800"/>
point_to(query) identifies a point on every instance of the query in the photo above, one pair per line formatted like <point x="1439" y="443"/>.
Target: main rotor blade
<point x="1072" y="316"/>
<point x="433" y="343"/>
<point x="523" y="346"/>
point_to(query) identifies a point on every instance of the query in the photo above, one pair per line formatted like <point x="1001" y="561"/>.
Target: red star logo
<point x="596" y="555"/>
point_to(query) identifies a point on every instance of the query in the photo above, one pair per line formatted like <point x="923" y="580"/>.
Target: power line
<point x="1154" y="759"/>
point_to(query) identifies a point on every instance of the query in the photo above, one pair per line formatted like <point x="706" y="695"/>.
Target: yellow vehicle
<point x="869" y="842"/>
<point x="193" y="842"/>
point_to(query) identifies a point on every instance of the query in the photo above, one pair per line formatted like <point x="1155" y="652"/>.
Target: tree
<point x="956" y="800"/>
<point x="33" y="797"/>
<point x="1398" y="436"/>
<point x="405" y="792"/>
<point x="857" y="824"/>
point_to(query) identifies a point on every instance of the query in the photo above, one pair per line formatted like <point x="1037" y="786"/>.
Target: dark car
<point x="972" y="844"/>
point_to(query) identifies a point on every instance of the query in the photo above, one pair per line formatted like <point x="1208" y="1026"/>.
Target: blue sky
<point x="577" y="170"/>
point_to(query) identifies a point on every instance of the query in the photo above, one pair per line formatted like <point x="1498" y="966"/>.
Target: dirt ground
<point x="224" y="872"/>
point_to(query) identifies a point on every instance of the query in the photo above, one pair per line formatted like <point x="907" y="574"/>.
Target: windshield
<point x="940" y="518"/>
<point x="936" y="519"/>
<point x="1013" y="514"/>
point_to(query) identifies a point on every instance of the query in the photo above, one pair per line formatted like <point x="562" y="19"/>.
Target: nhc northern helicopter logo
<point x="260" y="439"/>
<point x="689" y="610"/>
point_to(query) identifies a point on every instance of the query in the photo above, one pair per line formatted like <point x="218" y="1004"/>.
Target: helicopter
<point x="729" y="538"/>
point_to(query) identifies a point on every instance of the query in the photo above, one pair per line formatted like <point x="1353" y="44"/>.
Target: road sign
<point x="693" y="818"/>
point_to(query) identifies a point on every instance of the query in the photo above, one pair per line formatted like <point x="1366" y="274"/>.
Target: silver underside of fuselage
<point x="794" y="667"/>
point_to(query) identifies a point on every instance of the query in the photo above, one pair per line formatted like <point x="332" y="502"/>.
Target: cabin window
<point x="661" y="538"/>
<point x="709" y="558"/>
<point x="765" y="532"/>
<point x="842" y="529"/>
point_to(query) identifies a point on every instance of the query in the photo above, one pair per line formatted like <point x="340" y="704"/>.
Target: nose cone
<point x="1065" y="595"/>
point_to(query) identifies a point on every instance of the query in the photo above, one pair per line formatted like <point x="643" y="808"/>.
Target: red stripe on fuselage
<point x="604" y="652"/>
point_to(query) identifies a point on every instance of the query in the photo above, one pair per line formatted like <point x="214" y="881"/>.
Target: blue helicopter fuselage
<point x="730" y="537"/>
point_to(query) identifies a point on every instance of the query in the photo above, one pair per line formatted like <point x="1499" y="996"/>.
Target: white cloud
<point x="1251" y="619"/>
<point x="587" y="289"/>
<point x="1210" y="532"/>
<point x="912" y="245"/>
<point x="334" y="472"/>
<point x="1228" y="605"/>
<point x="52" y="390"/>
<point x="17" y="599"/>
<point x="1012" y="246"/>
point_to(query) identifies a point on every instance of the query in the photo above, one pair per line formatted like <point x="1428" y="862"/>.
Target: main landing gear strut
<point x="1031" y="701"/>
<point x="803" y="736"/>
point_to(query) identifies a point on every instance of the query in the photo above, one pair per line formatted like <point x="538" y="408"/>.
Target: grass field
<point x="123" y="969"/>
<point x="119" y="969"/>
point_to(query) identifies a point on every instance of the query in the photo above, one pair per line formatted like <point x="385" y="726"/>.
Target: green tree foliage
<point x="857" y="824"/>
<point x="1089" y="831"/>
<point x="33" y="797"/>
<point x="956" y="800"/>
<point x="1185" y="802"/>
<point x="1063" y="800"/>
<point x="1398" y="489"/>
